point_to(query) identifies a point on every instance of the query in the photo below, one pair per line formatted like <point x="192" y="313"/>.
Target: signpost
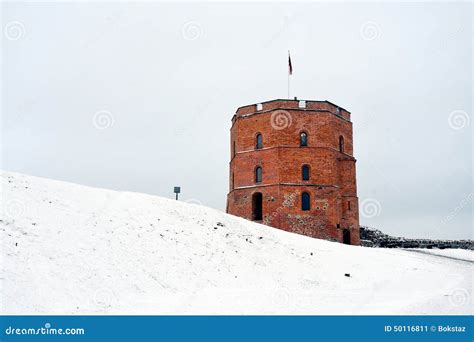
<point x="177" y="190"/>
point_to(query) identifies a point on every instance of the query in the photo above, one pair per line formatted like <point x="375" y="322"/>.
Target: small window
<point x="341" y="143"/>
<point x="305" y="203"/>
<point x="232" y="181"/>
<point x="258" y="141"/>
<point x="258" y="175"/>
<point x="303" y="139"/>
<point x="233" y="149"/>
<point x="305" y="172"/>
<point x="348" y="205"/>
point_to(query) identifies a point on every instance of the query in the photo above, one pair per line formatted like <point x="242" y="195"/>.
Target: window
<point x="258" y="175"/>
<point x="305" y="172"/>
<point x="259" y="141"/>
<point x="233" y="149"/>
<point x="303" y="139"/>
<point x="348" y="205"/>
<point x="305" y="203"/>
<point x="341" y="143"/>
<point x="232" y="181"/>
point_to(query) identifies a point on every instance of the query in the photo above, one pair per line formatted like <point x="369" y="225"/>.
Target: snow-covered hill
<point x="71" y="249"/>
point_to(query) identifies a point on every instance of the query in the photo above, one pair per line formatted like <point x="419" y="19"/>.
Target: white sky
<point x="171" y="75"/>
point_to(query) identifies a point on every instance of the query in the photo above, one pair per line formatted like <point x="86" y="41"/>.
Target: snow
<point x="72" y="249"/>
<point x="456" y="254"/>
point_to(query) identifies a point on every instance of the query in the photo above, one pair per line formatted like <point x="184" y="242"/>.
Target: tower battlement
<point x="305" y="105"/>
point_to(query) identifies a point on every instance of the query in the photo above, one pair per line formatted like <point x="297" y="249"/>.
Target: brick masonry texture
<point x="332" y="188"/>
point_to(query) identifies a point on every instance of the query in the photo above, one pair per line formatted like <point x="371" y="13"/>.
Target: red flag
<point x="290" y="67"/>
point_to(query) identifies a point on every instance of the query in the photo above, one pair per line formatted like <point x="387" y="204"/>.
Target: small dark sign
<point x="177" y="189"/>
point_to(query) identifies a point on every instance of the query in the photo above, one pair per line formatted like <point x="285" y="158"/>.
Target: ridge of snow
<point x="72" y="249"/>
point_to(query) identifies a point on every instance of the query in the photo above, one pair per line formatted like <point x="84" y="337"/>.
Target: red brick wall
<point x="332" y="181"/>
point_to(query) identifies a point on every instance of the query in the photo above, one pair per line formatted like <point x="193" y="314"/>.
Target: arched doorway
<point x="346" y="236"/>
<point x="257" y="200"/>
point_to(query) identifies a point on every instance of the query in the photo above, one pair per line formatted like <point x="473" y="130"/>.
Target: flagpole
<point x="288" y="86"/>
<point x="288" y="75"/>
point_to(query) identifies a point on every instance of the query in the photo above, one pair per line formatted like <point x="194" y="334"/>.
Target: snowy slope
<point x="71" y="249"/>
<point x="456" y="254"/>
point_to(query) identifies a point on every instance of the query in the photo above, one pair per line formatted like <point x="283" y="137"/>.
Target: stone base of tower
<point x="281" y="208"/>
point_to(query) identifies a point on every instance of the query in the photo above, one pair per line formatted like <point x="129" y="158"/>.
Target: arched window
<point x="258" y="141"/>
<point x="258" y="174"/>
<point x="233" y="149"/>
<point x="303" y="139"/>
<point x="305" y="172"/>
<point x="341" y="143"/>
<point x="305" y="202"/>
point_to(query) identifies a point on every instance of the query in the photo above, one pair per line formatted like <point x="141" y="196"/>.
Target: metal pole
<point x="176" y="196"/>
<point x="288" y="71"/>
<point x="288" y="85"/>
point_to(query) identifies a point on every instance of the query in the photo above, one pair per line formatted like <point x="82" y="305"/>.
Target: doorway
<point x="346" y="237"/>
<point x="257" y="200"/>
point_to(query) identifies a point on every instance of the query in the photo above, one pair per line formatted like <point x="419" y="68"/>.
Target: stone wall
<point x="370" y="237"/>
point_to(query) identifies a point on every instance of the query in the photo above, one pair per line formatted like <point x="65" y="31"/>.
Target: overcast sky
<point x="139" y="97"/>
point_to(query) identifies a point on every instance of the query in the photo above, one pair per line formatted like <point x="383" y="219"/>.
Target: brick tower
<point x="292" y="168"/>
